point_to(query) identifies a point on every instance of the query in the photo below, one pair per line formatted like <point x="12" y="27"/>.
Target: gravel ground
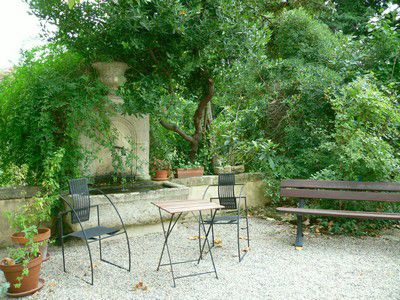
<point x="335" y="267"/>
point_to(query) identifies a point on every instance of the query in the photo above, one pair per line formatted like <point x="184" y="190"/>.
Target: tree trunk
<point x="194" y="147"/>
<point x="199" y="120"/>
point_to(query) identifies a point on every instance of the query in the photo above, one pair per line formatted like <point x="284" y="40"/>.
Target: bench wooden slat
<point x="340" y="195"/>
<point x="341" y="213"/>
<point x="341" y="185"/>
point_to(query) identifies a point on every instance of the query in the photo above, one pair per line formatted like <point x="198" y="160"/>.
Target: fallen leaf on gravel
<point x="195" y="237"/>
<point x="95" y="266"/>
<point x="218" y="243"/>
<point x="140" y="286"/>
<point x="52" y="284"/>
<point x="247" y="249"/>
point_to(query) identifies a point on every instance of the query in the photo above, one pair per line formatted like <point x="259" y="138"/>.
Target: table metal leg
<point x="207" y="233"/>
<point x="167" y="233"/>
<point x="207" y="241"/>
<point x="200" y="238"/>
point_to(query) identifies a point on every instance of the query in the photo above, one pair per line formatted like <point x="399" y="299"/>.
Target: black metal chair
<point x="227" y="198"/>
<point x="78" y="202"/>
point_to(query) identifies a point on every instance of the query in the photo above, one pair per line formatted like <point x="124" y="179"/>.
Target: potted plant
<point x="190" y="170"/>
<point x="21" y="269"/>
<point x="161" y="168"/>
<point x="35" y="213"/>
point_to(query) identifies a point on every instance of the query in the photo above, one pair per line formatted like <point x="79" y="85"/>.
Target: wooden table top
<point x="173" y="207"/>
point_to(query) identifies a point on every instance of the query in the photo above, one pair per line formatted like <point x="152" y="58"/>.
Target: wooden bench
<point x="339" y="190"/>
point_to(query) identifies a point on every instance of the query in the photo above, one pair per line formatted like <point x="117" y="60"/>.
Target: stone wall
<point x="136" y="208"/>
<point x="254" y="187"/>
<point x="10" y="199"/>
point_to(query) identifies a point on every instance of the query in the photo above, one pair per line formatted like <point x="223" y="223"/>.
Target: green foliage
<point x="46" y="104"/>
<point x="382" y="48"/>
<point x="174" y="48"/>
<point x="37" y="211"/>
<point x="297" y="34"/>
<point x="14" y="175"/>
<point x="367" y="133"/>
<point x="309" y="121"/>
<point x="350" y="17"/>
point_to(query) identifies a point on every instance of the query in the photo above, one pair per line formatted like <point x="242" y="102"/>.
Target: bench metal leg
<point x="299" y="236"/>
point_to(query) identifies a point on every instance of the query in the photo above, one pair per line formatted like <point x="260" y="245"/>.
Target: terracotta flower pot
<point x="43" y="235"/>
<point x="29" y="282"/>
<point x="190" y="172"/>
<point x="161" y="175"/>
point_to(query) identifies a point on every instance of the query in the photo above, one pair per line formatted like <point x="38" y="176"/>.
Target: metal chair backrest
<point x="79" y="191"/>
<point x="226" y="190"/>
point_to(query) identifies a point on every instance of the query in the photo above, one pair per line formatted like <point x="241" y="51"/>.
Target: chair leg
<point x="100" y="250"/>
<point x="91" y="261"/>
<point x="62" y="242"/>
<point x="238" y="238"/>
<point x="247" y="228"/>
<point x="212" y="234"/>
<point x="98" y="224"/>
<point x="129" y="252"/>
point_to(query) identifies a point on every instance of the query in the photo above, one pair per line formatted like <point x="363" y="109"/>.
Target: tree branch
<point x="175" y="128"/>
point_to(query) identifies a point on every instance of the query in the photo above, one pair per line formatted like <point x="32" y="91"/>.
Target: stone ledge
<point x="17" y="192"/>
<point x="213" y="179"/>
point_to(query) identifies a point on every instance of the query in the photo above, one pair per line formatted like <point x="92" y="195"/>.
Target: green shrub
<point x="367" y="133"/>
<point x="297" y="34"/>
<point x="46" y="104"/>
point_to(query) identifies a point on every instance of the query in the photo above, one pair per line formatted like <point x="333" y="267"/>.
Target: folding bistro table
<point x="177" y="208"/>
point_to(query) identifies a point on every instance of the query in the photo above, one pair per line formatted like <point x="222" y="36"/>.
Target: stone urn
<point x="112" y="74"/>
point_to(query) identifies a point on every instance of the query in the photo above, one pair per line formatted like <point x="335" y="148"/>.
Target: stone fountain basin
<point x="133" y="204"/>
